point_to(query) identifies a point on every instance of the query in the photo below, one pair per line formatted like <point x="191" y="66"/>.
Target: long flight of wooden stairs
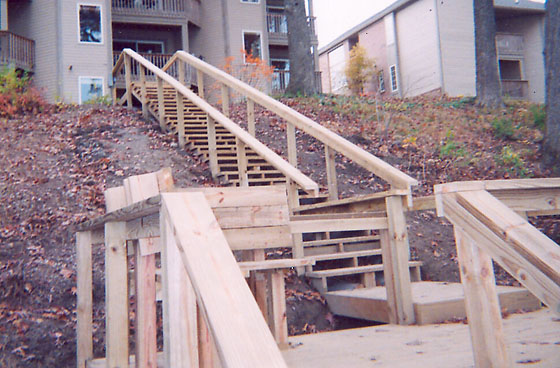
<point x="348" y="269"/>
<point x="259" y="171"/>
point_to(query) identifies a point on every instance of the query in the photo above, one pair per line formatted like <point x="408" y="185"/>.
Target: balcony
<point x="277" y="29"/>
<point x="153" y="8"/>
<point x="515" y="88"/>
<point x="16" y="51"/>
<point x="509" y="44"/>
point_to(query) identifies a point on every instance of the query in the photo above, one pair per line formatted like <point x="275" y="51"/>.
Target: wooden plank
<point x="200" y="83"/>
<point x="254" y="216"/>
<point x="273" y="264"/>
<point x="180" y="331"/>
<point x="239" y="330"/>
<point x="292" y="144"/>
<point x="225" y="99"/>
<point x="180" y="119"/>
<point x="128" y="80"/>
<point x="143" y="93"/>
<point x="212" y="150"/>
<point x="251" y="117"/>
<point x="530" y="200"/>
<point x="331" y="173"/>
<point x="274" y="195"/>
<point x="309" y="226"/>
<point x="242" y="163"/>
<point x="481" y="302"/>
<point x="259" y="238"/>
<point x="205" y="343"/>
<point x="260" y="282"/>
<point x="84" y="303"/>
<point x="181" y="71"/>
<point x="394" y="244"/>
<point x="278" y="306"/>
<point x="513" y="262"/>
<point x="161" y="108"/>
<point x="356" y="270"/>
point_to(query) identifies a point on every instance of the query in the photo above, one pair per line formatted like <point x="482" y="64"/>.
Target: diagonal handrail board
<point x="358" y="155"/>
<point x="275" y="160"/>
<point x="241" y="334"/>
<point x="536" y="248"/>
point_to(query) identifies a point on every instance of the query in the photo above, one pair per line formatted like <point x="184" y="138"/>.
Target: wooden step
<point x="336" y="241"/>
<point x="345" y="271"/>
<point x="345" y="255"/>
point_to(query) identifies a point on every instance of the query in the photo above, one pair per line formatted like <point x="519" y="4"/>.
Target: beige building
<point x="423" y="46"/>
<point x="70" y="45"/>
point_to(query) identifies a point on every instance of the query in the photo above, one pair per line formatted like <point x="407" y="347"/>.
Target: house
<point x="423" y="46"/>
<point x="70" y="45"/>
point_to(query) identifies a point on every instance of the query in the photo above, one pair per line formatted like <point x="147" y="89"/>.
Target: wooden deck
<point x="434" y="302"/>
<point x="533" y="341"/>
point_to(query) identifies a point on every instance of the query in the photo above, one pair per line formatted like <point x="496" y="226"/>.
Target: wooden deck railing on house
<point x="489" y="220"/>
<point x="158" y="60"/>
<point x="277" y="23"/>
<point x="17" y="51"/>
<point x="173" y="8"/>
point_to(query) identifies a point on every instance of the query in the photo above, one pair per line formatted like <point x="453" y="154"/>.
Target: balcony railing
<point x="515" y="88"/>
<point x="509" y="44"/>
<point x="17" y="51"/>
<point x="158" y="60"/>
<point x="281" y="79"/>
<point x="277" y="23"/>
<point x="167" y="8"/>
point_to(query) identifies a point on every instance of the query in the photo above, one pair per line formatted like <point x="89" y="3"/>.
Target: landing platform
<point x="533" y="341"/>
<point x="434" y="302"/>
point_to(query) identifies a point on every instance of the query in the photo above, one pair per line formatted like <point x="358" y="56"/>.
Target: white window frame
<point x="250" y="2"/>
<point x="260" y="40"/>
<point x="82" y="77"/>
<point x="381" y="82"/>
<point x="101" y="28"/>
<point x="394" y="78"/>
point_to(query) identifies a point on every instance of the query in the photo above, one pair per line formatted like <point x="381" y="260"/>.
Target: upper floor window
<point x="381" y="81"/>
<point x="252" y="44"/>
<point x="89" y="18"/>
<point x="394" y="83"/>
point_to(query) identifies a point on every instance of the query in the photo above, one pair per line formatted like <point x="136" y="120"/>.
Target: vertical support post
<point x="212" y="147"/>
<point x="143" y="91"/>
<point x="292" y="148"/>
<point x="180" y="332"/>
<point x="146" y="328"/>
<point x="205" y="343"/>
<point x="395" y="250"/>
<point x="200" y="83"/>
<point x="128" y="80"/>
<point x="84" y="305"/>
<point x="116" y="295"/>
<point x="180" y="119"/>
<point x="297" y="239"/>
<point x="161" y="104"/>
<point x="278" y="306"/>
<point x="225" y="100"/>
<point x="251" y="117"/>
<point x="181" y="66"/>
<point x="481" y="303"/>
<point x="331" y="173"/>
<point x="242" y="163"/>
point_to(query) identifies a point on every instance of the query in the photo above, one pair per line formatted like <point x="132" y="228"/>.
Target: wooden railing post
<point x="297" y="239"/>
<point x="481" y="303"/>
<point x="332" y="184"/>
<point x="84" y="306"/>
<point x="161" y="104"/>
<point x="181" y="76"/>
<point x="395" y="253"/>
<point x="292" y="147"/>
<point x="180" y="119"/>
<point x="212" y="148"/>
<point x="143" y="91"/>
<point x="242" y="163"/>
<point x="225" y="100"/>
<point x="200" y="83"/>
<point x="128" y="80"/>
<point x="251" y="117"/>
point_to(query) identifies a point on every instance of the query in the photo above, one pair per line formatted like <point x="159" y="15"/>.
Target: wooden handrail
<point x="275" y="160"/>
<point x="17" y="50"/>
<point x="361" y="157"/>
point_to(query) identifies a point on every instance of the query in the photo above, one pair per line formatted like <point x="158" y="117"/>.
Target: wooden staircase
<point x="196" y="135"/>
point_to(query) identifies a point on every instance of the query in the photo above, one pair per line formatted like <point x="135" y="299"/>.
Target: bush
<point x="359" y="69"/>
<point x="539" y="116"/>
<point x="512" y="162"/>
<point x="503" y="128"/>
<point x="16" y="94"/>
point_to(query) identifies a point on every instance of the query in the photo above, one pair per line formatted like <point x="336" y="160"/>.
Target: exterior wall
<point x="418" y="48"/>
<point x="325" y="73"/>
<point x="3" y="15"/>
<point x="392" y="54"/>
<point x="247" y="17"/>
<point x="81" y="59"/>
<point x="37" y="20"/>
<point x="457" y="47"/>
<point x="374" y="41"/>
<point x="210" y="42"/>
<point x="169" y="35"/>
<point x="532" y="29"/>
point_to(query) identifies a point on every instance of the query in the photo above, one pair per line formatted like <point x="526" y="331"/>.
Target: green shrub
<point x="16" y="94"/>
<point x="503" y="128"/>
<point x="359" y="70"/>
<point x="539" y="116"/>
<point x="451" y="148"/>
<point x="512" y="162"/>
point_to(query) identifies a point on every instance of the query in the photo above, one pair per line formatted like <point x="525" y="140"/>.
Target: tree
<point x="302" y="75"/>
<point x="359" y="69"/>
<point x="488" y="88"/>
<point x="552" y="79"/>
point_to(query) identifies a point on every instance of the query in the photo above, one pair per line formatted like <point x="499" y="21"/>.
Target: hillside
<point x="56" y="161"/>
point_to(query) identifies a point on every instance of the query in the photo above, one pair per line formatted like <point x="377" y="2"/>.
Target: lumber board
<point x="241" y="197"/>
<point x="513" y="262"/>
<point x="242" y="163"/>
<point x="278" y="306"/>
<point x="336" y="241"/>
<point x="344" y="255"/>
<point x="254" y="216"/>
<point x="354" y="270"/>
<point x="330" y="165"/>
<point x="84" y="303"/>
<point x="310" y="226"/>
<point x="366" y="202"/>
<point x="481" y="302"/>
<point x="238" y="327"/>
<point x="273" y="264"/>
<point x="259" y="238"/>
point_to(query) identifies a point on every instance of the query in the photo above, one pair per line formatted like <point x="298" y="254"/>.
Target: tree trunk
<point x="302" y="76"/>
<point x="552" y="79"/>
<point x="488" y="88"/>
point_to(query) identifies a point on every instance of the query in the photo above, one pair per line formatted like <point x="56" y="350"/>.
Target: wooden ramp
<point x="533" y="340"/>
<point x="434" y="302"/>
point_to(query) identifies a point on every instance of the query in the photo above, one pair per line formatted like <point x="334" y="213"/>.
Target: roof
<point x="524" y="5"/>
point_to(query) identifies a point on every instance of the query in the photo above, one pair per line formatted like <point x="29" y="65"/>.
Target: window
<point x="143" y="47"/>
<point x="510" y="69"/>
<point x="250" y="1"/>
<point x="281" y="75"/>
<point x="91" y="88"/>
<point x="89" y="18"/>
<point x="394" y="83"/>
<point x="252" y="44"/>
<point x="381" y="81"/>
